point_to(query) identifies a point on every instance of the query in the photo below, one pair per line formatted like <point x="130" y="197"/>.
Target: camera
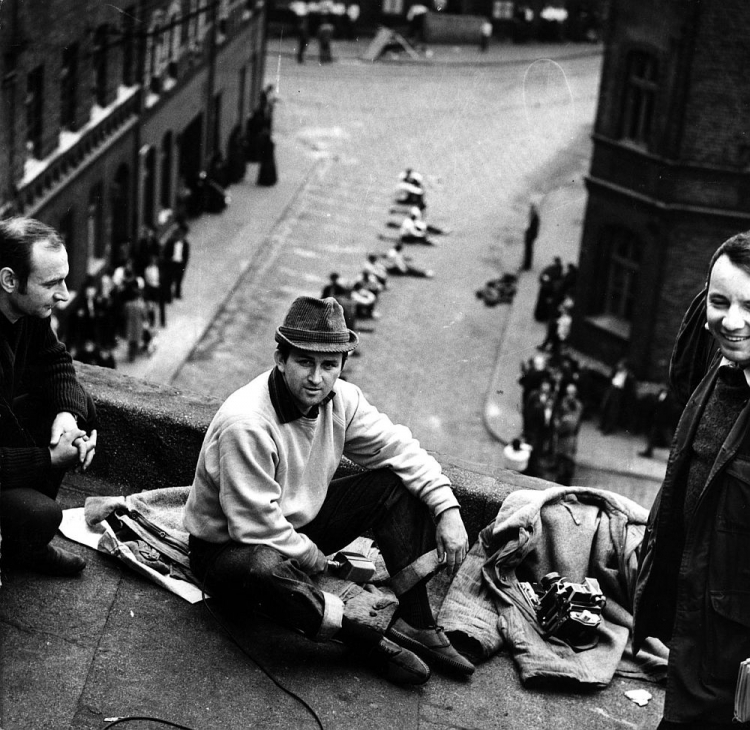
<point x="568" y="611"/>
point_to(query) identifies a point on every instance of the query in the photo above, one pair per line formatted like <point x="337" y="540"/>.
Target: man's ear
<point x="279" y="360"/>
<point x="8" y="280"/>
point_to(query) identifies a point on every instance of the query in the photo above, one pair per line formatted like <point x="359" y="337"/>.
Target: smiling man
<point x="265" y="509"/>
<point x="45" y="414"/>
<point x="693" y="589"/>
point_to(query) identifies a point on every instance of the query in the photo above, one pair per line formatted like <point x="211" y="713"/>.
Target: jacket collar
<point x="283" y="403"/>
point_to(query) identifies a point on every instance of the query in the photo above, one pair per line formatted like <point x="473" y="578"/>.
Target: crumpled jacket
<point x="156" y="517"/>
<point x="577" y="532"/>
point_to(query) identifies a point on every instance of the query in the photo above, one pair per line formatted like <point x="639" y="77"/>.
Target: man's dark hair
<point x="17" y="237"/>
<point x="286" y="350"/>
<point x="736" y="249"/>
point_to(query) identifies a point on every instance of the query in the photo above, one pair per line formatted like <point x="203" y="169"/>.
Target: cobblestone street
<point x="487" y="138"/>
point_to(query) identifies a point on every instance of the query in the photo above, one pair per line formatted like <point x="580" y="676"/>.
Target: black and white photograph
<point x="362" y="364"/>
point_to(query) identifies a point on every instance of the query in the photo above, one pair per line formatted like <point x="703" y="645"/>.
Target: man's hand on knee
<point x="452" y="540"/>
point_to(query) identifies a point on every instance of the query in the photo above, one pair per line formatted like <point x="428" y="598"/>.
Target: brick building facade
<point x="670" y="173"/>
<point x="105" y="106"/>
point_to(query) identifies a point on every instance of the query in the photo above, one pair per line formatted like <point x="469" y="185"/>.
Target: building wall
<point x="173" y="74"/>
<point x="719" y="90"/>
<point x="679" y="190"/>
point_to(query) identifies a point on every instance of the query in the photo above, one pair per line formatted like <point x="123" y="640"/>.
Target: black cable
<point x="247" y="653"/>
<point x="133" y="718"/>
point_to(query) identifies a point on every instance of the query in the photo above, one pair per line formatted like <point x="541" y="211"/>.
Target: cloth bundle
<point x="577" y="532"/>
<point x="145" y="531"/>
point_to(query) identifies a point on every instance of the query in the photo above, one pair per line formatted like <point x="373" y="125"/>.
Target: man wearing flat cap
<point x="264" y="509"/>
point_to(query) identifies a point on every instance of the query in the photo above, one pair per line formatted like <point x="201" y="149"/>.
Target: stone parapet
<point x="150" y="436"/>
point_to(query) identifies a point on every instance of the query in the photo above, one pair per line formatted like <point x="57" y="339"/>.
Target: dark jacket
<point x="693" y="587"/>
<point x="34" y="362"/>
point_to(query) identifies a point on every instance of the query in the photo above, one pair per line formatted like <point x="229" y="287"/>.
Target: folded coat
<point x="577" y="532"/>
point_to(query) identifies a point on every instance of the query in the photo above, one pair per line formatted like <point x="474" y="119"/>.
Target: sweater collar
<point x="283" y="403"/>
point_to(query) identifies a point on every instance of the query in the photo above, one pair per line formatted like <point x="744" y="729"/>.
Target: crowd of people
<point x="558" y="393"/>
<point x="129" y="301"/>
<point x="324" y="21"/>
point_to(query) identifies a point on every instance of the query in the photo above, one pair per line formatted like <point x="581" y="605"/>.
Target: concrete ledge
<point x="150" y="437"/>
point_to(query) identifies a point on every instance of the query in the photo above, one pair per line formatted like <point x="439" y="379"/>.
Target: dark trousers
<point x="260" y="578"/>
<point x="29" y="513"/>
<point x="177" y="271"/>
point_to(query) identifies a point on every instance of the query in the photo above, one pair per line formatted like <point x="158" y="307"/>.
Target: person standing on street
<point x="693" y="585"/>
<point x="529" y="237"/>
<point x="47" y="420"/>
<point x="567" y="423"/>
<point x="265" y="507"/>
<point x="177" y="256"/>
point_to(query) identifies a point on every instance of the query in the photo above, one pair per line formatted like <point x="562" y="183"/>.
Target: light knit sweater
<point x="258" y="479"/>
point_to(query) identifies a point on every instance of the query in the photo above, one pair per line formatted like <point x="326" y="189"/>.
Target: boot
<point x="48" y="560"/>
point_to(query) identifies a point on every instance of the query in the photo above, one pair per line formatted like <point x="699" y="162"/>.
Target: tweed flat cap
<point x="316" y="325"/>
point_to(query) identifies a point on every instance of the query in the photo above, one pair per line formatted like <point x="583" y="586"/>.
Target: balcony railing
<point x="43" y="178"/>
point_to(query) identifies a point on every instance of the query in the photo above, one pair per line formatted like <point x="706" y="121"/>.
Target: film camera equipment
<point x="568" y="611"/>
<point x="352" y="566"/>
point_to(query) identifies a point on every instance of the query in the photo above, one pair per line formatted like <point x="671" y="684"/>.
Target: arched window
<point x="639" y="97"/>
<point x="120" y="207"/>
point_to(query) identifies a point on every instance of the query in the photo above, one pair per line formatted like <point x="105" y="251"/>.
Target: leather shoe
<point x="398" y="665"/>
<point x="49" y="560"/>
<point x="432" y="645"/>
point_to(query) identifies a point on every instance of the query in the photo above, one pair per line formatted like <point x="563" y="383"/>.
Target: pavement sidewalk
<point x="223" y="248"/>
<point x="561" y="213"/>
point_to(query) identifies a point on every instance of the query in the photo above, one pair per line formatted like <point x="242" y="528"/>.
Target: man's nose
<point x="734" y="319"/>
<point x="316" y="374"/>
<point x="62" y="294"/>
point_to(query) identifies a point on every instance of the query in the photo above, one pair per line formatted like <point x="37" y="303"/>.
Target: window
<point x="166" y="171"/>
<point x="174" y="41"/>
<point x="502" y="10"/>
<point x="66" y="229"/>
<point x="68" y="87"/>
<point x="34" y="105"/>
<point x="623" y="251"/>
<point x="149" y="185"/>
<point x="99" y="65"/>
<point x="223" y="19"/>
<point x="155" y="53"/>
<point x="128" y="46"/>
<point x="640" y="97"/>
<point x="95" y="225"/>
<point x="216" y="124"/>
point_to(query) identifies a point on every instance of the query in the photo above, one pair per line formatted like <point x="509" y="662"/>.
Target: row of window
<point x="169" y="34"/>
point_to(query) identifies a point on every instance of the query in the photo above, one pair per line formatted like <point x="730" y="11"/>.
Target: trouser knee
<point x="30" y="519"/>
